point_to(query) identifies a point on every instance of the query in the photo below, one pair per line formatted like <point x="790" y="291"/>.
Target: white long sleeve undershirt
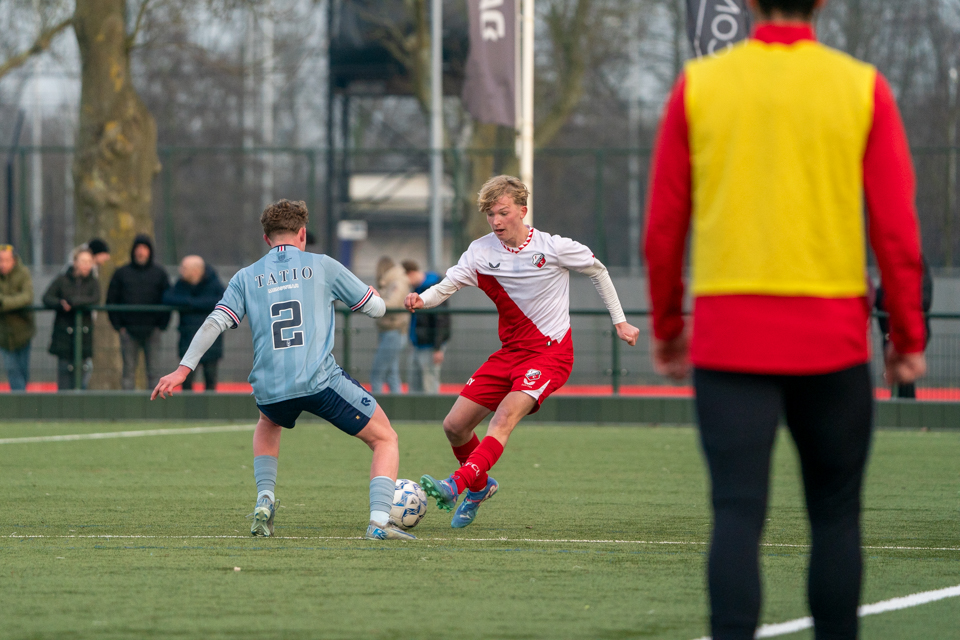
<point x="439" y="292"/>
<point x="215" y="324"/>
<point x="218" y="322"/>
<point x="597" y="272"/>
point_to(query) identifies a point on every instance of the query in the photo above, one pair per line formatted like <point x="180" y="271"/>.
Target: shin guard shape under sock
<point x="381" y="498"/>
<point x="265" y="473"/>
<point x="463" y="451"/>
<point x="478" y="464"/>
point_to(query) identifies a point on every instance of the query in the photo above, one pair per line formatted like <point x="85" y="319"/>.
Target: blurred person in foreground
<point x="76" y="289"/>
<point x="394" y="286"/>
<point x="429" y="333"/>
<point x="17" y="327"/>
<point x="288" y="297"/>
<point x="767" y="152"/>
<point x="197" y="293"/>
<point x="139" y="282"/>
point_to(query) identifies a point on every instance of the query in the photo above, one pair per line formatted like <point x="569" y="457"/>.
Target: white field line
<point x="110" y="536"/>
<point x="130" y="434"/>
<point x="894" y="604"/>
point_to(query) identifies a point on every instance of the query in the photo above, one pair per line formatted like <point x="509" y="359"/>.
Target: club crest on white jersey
<point x="529" y="284"/>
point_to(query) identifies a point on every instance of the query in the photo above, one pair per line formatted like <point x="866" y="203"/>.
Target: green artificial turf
<point x="529" y="567"/>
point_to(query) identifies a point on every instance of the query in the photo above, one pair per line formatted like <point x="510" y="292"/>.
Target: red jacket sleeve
<point x="668" y="217"/>
<point x="890" y="187"/>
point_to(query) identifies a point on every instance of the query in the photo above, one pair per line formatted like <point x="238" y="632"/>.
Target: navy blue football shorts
<point x="344" y="404"/>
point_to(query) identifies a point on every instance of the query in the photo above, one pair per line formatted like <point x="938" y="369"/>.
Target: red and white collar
<point x="521" y="247"/>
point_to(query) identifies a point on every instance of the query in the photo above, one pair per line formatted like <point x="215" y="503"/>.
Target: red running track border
<point x="646" y="391"/>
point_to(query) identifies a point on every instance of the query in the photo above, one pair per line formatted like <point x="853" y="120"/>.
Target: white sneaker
<point x="262" y="516"/>
<point x="388" y="531"/>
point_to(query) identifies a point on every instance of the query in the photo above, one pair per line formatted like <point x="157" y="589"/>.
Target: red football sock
<point x="463" y="451"/>
<point x="480" y="461"/>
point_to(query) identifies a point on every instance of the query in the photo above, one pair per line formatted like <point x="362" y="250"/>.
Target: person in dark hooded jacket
<point x="197" y="292"/>
<point x="139" y="282"/>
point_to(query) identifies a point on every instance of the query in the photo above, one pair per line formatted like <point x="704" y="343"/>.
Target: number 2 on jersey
<point x="283" y="322"/>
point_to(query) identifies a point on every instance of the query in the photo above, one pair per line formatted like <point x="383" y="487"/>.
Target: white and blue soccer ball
<point x="409" y="504"/>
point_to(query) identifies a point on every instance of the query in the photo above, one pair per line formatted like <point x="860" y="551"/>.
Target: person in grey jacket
<point x="392" y="327"/>
<point x="76" y="289"/>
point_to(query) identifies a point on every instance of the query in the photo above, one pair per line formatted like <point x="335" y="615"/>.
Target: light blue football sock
<point x="265" y="473"/>
<point x="381" y="498"/>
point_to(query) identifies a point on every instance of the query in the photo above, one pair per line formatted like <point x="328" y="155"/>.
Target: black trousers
<point x="209" y="376"/>
<point x="830" y="419"/>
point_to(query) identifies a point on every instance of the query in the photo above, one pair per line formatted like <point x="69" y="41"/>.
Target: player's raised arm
<point x="350" y="290"/>
<point x="578" y="257"/>
<point x="432" y="297"/>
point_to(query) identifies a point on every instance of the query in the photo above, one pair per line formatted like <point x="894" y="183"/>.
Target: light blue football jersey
<point x="287" y="296"/>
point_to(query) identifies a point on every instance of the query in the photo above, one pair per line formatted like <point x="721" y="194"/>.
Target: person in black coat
<point x="197" y="292"/>
<point x="75" y="289"/>
<point x="139" y="282"/>
<point x="926" y="295"/>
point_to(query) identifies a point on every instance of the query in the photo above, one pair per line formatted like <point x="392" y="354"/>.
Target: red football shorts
<point x="536" y="373"/>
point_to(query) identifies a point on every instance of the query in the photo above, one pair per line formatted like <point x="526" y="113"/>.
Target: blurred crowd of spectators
<point x="78" y="287"/>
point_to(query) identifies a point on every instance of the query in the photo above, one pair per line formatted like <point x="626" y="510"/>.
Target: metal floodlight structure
<point x="362" y="66"/>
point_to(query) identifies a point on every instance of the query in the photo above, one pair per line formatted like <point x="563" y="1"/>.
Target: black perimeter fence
<point x="593" y="195"/>
<point x="603" y="365"/>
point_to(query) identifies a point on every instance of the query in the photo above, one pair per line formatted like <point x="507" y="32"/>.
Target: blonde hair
<point x="496" y="187"/>
<point x="284" y="216"/>
<point x="383" y="265"/>
<point x="78" y="250"/>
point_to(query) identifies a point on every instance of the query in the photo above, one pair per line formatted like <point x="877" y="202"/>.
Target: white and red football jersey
<point x="530" y="284"/>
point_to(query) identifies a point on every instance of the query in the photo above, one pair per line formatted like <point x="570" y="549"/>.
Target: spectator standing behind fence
<point x="197" y="292"/>
<point x="429" y="333"/>
<point x="16" y="327"/>
<point x="391" y="327"/>
<point x="101" y="254"/>
<point x="76" y="289"/>
<point x="139" y="282"/>
<point x="906" y="390"/>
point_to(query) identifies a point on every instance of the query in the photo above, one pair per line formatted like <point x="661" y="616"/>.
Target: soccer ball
<point x="409" y="504"/>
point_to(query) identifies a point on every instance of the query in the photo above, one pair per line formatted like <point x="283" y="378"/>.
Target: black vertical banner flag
<point x="714" y="25"/>
<point x="490" y="85"/>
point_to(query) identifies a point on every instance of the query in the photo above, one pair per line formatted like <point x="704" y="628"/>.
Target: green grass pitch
<point x="597" y="532"/>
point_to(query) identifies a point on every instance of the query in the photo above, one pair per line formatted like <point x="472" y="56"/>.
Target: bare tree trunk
<point x="116" y="155"/>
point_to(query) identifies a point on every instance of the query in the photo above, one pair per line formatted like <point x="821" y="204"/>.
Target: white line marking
<point x="130" y="434"/>
<point x="894" y="604"/>
<point x="108" y="536"/>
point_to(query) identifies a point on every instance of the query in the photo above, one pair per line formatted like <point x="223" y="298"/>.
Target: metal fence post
<point x="600" y="238"/>
<point x="312" y="192"/>
<point x="26" y="242"/>
<point x="169" y="226"/>
<point x="77" y="348"/>
<point x="615" y="361"/>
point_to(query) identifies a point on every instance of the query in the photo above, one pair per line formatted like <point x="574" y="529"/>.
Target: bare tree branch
<point x="132" y="38"/>
<point x="412" y="51"/>
<point x="569" y="41"/>
<point x="41" y="44"/>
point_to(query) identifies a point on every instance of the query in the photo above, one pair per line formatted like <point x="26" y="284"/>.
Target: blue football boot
<point x="445" y="491"/>
<point x="467" y="510"/>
